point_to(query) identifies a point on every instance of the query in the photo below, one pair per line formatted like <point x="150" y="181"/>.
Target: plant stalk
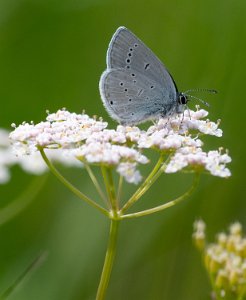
<point x="72" y="188"/>
<point x="109" y="260"/>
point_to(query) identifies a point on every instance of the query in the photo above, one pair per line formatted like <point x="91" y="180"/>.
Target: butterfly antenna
<point x="210" y="91"/>
<point x="202" y="101"/>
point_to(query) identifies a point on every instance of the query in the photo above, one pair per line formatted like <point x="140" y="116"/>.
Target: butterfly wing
<point x="128" y="52"/>
<point x="132" y="99"/>
<point x="136" y="86"/>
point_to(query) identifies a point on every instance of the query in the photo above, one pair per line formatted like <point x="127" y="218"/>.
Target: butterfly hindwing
<point x="131" y="99"/>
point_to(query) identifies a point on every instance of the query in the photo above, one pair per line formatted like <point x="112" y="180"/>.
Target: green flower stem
<point x="95" y="182"/>
<point x="119" y="189"/>
<point x="109" y="185"/>
<point x="112" y="190"/>
<point x="166" y="205"/>
<point x="70" y="186"/>
<point x="109" y="259"/>
<point x="145" y="185"/>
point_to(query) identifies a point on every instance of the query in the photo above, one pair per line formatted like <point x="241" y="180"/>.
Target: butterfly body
<point x="136" y="86"/>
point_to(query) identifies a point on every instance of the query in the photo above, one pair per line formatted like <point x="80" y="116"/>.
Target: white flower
<point x="199" y="225"/>
<point x="4" y="138"/>
<point x="4" y="174"/>
<point x="107" y="153"/>
<point x="211" y="128"/>
<point x="131" y="134"/>
<point x="177" y="163"/>
<point x="31" y="163"/>
<point x="213" y="161"/>
<point x="222" y="239"/>
<point x="198" y="114"/>
<point x="61" y="129"/>
<point x="226" y="262"/>
<point x="129" y="172"/>
<point x="236" y="228"/>
<point x="6" y="158"/>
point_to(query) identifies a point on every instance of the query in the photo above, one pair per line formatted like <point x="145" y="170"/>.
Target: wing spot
<point x="135" y="45"/>
<point x="121" y="83"/>
<point x="152" y="86"/>
<point x="130" y="99"/>
<point x="129" y="54"/>
<point x="134" y="81"/>
<point x="128" y="67"/>
<point x="130" y="49"/>
<point x="132" y="114"/>
<point x="126" y="90"/>
<point x="133" y="75"/>
<point x="111" y="102"/>
<point x="128" y="61"/>
<point x="146" y="67"/>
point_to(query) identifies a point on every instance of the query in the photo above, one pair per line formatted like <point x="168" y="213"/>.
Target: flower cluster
<point x="32" y="163"/>
<point x="91" y="142"/>
<point x="225" y="260"/>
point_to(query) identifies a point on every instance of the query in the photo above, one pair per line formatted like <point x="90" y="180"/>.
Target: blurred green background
<point x="52" y="54"/>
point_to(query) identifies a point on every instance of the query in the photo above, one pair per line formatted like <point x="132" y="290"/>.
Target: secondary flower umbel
<point x="225" y="260"/>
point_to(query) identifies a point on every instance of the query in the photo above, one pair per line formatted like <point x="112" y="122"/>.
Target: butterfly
<point x="136" y="86"/>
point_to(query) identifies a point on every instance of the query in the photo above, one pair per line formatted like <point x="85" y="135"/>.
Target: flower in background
<point x="225" y="260"/>
<point x="32" y="163"/>
<point x="6" y="159"/>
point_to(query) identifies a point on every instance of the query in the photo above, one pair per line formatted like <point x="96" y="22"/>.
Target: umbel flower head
<point x="225" y="260"/>
<point x="90" y="141"/>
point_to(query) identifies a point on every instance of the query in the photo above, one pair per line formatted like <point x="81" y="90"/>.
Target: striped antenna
<point x="211" y="91"/>
<point x="202" y="101"/>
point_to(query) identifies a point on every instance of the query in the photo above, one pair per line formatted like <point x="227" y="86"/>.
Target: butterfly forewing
<point x="128" y="52"/>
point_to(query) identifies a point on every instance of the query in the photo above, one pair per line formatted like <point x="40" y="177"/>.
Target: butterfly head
<point x="184" y="97"/>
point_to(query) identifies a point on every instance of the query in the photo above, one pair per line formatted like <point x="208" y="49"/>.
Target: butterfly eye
<point x="183" y="99"/>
